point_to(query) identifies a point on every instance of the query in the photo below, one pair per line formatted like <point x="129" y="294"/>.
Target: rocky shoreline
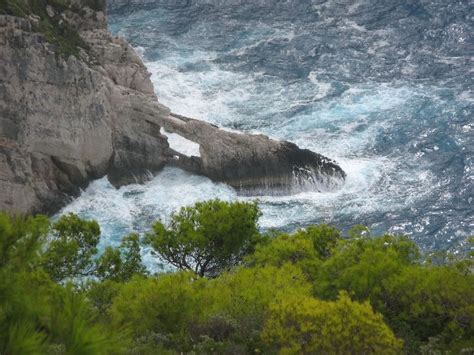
<point x="66" y="120"/>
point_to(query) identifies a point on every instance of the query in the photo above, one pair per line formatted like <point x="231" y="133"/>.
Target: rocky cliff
<point x="76" y="104"/>
<point x="253" y="164"/>
<point x="67" y="120"/>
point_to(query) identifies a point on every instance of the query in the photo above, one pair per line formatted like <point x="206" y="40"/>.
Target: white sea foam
<point x="322" y="88"/>
<point x="135" y="207"/>
<point x="369" y="186"/>
<point x="350" y="122"/>
<point x="206" y="95"/>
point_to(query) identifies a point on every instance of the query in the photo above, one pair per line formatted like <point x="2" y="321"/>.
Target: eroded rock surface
<point x="252" y="163"/>
<point x="66" y="121"/>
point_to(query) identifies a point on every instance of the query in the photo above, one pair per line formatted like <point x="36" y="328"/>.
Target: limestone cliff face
<point x="72" y="114"/>
<point x="65" y="121"/>
<point x="252" y="164"/>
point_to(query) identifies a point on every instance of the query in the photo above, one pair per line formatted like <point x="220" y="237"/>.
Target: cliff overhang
<point x="68" y="118"/>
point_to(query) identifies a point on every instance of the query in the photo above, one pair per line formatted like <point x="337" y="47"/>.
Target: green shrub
<point x="307" y="292"/>
<point x="209" y="237"/>
<point x="304" y="325"/>
<point x="55" y="30"/>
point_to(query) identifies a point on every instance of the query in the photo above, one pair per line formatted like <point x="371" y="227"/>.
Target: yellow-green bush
<point x="308" y="292"/>
<point x="300" y="324"/>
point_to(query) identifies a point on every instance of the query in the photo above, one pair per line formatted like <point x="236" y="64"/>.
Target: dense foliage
<point x="313" y="291"/>
<point x="54" y="25"/>
<point x="208" y="238"/>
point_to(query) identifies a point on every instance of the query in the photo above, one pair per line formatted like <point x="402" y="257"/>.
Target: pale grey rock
<point x="252" y="163"/>
<point x="66" y="121"/>
<point x="50" y="11"/>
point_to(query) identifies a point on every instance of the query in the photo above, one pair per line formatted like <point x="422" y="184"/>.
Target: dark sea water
<point x="384" y="87"/>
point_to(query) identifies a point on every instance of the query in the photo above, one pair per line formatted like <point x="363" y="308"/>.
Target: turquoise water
<point x="382" y="87"/>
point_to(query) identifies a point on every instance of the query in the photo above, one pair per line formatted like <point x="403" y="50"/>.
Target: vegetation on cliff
<point x="50" y="17"/>
<point x="313" y="291"/>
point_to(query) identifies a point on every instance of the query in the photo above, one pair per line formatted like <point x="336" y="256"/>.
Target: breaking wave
<point x="382" y="87"/>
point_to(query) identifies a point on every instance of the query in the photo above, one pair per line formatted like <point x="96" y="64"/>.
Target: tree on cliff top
<point x="209" y="237"/>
